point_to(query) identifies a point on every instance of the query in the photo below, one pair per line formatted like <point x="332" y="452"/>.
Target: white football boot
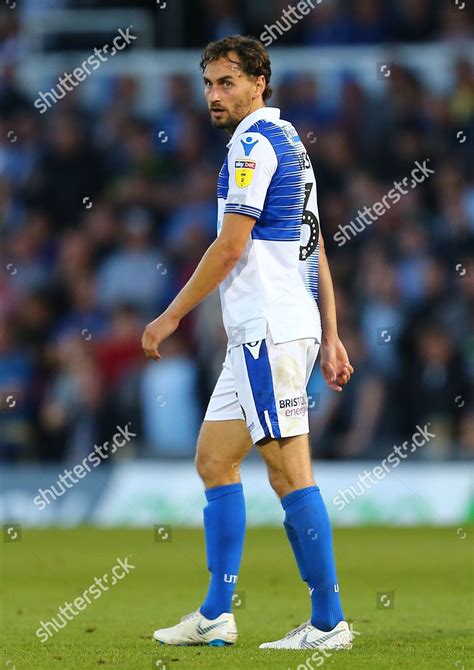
<point x="195" y="629"/>
<point x="308" y="636"/>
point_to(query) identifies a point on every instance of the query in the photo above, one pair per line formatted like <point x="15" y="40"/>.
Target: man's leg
<point x="222" y="446"/>
<point x="307" y="524"/>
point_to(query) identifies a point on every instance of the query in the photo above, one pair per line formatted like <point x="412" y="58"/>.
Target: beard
<point x="230" y="120"/>
<point x="224" y="121"/>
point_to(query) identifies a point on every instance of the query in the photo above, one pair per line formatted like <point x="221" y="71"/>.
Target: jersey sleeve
<point x="252" y="162"/>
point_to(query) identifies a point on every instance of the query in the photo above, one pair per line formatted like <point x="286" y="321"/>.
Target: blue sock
<point x="224" y="524"/>
<point x="309" y="532"/>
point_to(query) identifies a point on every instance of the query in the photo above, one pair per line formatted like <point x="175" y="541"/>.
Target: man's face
<point x="231" y="95"/>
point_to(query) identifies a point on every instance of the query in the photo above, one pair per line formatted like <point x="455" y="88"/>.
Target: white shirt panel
<point x="269" y="288"/>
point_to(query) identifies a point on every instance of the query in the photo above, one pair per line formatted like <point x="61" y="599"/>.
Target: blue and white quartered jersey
<point x="268" y="175"/>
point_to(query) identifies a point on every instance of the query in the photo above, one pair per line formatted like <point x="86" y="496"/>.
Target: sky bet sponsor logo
<point x="296" y="406"/>
<point x="245" y="165"/>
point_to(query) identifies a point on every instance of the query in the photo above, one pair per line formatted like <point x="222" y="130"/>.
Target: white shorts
<point x="265" y="384"/>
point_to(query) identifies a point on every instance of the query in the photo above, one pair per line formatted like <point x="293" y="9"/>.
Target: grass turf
<point x="427" y="624"/>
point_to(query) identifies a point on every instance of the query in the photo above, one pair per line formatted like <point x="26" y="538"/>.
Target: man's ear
<point x="259" y="86"/>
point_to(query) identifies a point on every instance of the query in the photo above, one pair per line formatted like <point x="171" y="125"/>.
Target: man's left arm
<point x="335" y="364"/>
<point x="218" y="261"/>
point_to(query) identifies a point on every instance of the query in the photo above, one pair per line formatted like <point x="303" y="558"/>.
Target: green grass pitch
<point x="428" y="573"/>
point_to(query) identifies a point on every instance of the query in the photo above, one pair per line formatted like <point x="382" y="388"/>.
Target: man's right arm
<point x="218" y="261"/>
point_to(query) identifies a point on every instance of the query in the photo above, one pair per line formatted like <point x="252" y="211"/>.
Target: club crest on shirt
<point x="244" y="171"/>
<point x="248" y="144"/>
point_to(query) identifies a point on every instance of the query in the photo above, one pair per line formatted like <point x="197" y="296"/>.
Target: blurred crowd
<point x="334" y="22"/>
<point x="105" y="215"/>
<point x="329" y="22"/>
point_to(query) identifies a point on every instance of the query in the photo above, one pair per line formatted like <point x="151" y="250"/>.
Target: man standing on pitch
<point x="269" y="261"/>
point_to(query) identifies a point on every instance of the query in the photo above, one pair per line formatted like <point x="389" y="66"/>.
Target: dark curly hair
<point x="253" y="57"/>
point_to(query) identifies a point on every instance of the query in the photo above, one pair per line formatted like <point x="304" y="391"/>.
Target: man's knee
<point x="221" y="448"/>
<point x="288" y="463"/>
<point x="206" y="467"/>
<point x="285" y="480"/>
<point x="215" y="471"/>
<point x="278" y="480"/>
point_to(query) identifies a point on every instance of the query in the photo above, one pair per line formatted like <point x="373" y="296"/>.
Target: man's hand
<point x="157" y="331"/>
<point x="335" y="364"/>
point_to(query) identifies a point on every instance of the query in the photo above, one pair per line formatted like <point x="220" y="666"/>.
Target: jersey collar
<point x="270" y="113"/>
